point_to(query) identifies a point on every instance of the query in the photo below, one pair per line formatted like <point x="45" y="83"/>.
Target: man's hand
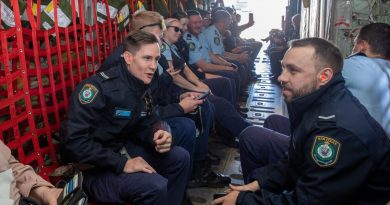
<point x="230" y="67"/>
<point x="189" y="102"/>
<point x="138" y="164"/>
<point x="162" y="140"/>
<point x="253" y="186"/>
<point x="238" y="50"/>
<point x="45" y="195"/>
<point x="244" y="57"/>
<point x="203" y="87"/>
<point x="229" y="199"/>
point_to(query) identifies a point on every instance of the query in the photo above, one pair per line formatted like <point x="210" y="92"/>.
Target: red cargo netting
<point x="38" y="71"/>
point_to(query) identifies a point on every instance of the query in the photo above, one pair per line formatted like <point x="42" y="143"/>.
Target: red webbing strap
<point x="38" y="14"/>
<point x="116" y="31"/>
<point x="103" y="33"/>
<point x="91" y="46"/>
<point x="60" y="63"/>
<point x="90" y="49"/>
<point x="99" y="53"/>
<point x="77" y="46"/>
<point x="22" y="64"/>
<point x="109" y="27"/>
<point x="32" y="134"/>
<point x="40" y="109"/>
<point x="69" y="61"/>
<point x="152" y="4"/>
<point x="9" y="128"/>
<point x="51" y="72"/>
<point x="133" y="4"/>
<point x="83" y="38"/>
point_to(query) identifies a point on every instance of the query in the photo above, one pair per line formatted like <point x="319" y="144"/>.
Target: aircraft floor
<point x="264" y="99"/>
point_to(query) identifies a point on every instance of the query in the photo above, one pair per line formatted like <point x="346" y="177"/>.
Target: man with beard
<point x="338" y="154"/>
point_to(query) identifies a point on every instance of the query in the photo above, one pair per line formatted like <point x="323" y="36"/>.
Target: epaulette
<point x="108" y="74"/>
<point x="189" y="37"/>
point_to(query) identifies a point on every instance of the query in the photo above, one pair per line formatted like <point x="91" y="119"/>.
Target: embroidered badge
<point x="191" y="45"/>
<point x="88" y="93"/>
<point x="217" y="41"/>
<point x="163" y="47"/>
<point x="325" y="151"/>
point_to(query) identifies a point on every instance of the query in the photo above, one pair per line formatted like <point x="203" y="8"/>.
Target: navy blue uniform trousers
<point x="222" y="87"/>
<point x="262" y="146"/>
<point x="227" y="116"/>
<point x="234" y="76"/>
<point x="165" y="187"/>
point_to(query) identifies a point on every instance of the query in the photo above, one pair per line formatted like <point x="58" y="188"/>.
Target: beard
<point x="300" y="92"/>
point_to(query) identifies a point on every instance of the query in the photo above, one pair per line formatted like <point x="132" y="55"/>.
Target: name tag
<point x="122" y="113"/>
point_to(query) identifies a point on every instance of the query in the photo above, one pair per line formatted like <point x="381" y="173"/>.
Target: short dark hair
<point x="193" y="13"/>
<point x="377" y="35"/>
<point x="179" y="15"/>
<point x="220" y="15"/>
<point x="136" y="39"/>
<point x="326" y="53"/>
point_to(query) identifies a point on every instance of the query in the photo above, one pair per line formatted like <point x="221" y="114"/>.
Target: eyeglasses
<point x="176" y="29"/>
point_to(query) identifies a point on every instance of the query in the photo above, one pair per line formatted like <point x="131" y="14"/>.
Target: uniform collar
<point x="357" y="54"/>
<point x="192" y="35"/>
<point x="299" y="106"/>
<point x="133" y="83"/>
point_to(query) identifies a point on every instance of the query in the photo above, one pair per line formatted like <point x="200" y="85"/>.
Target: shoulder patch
<point x="88" y="93"/>
<point x="325" y="151"/>
<point x="217" y="41"/>
<point x="191" y="46"/>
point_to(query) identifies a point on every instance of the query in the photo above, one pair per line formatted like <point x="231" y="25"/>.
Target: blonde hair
<point x="169" y="21"/>
<point x="145" y="18"/>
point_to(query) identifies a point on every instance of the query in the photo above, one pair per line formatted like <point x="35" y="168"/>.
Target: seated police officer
<point x="338" y="153"/>
<point x="111" y="125"/>
<point x="183" y="129"/>
<point x="202" y="173"/>
<point x="199" y="57"/>
<point x="367" y="71"/>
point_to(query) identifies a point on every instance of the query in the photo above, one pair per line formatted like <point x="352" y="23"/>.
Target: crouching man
<point x="111" y="124"/>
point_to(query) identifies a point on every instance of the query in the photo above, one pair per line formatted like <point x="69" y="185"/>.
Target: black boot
<point x="186" y="200"/>
<point x="203" y="176"/>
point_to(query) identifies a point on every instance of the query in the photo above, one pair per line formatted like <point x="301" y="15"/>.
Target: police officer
<point x="220" y="86"/>
<point x="202" y="173"/>
<point x="113" y="126"/>
<point x="338" y="153"/>
<point x="199" y="55"/>
<point x="213" y="40"/>
<point x="183" y="129"/>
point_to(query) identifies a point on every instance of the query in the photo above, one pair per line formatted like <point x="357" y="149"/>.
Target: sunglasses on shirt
<point x="176" y="29"/>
